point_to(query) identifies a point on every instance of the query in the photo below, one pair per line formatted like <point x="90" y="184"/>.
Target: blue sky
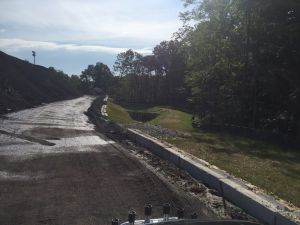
<point x="70" y="34"/>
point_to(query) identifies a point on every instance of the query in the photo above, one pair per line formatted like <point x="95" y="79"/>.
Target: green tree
<point x="171" y="64"/>
<point x="98" y="75"/>
<point x="243" y="62"/>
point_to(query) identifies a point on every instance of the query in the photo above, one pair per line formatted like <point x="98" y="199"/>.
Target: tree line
<point x="232" y="62"/>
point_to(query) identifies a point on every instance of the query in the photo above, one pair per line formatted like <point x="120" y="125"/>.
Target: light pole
<point x="33" y="54"/>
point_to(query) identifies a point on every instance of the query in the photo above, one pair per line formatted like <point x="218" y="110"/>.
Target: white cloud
<point x="69" y="27"/>
<point x="2" y="30"/>
<point x="15" y="45"/>
<point x="92" y="19"/>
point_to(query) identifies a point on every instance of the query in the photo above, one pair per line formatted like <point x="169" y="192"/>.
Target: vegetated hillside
<point x="24" y="85"/>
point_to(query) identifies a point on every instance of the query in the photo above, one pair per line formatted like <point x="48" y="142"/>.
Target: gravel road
<point x="56" y="169"/>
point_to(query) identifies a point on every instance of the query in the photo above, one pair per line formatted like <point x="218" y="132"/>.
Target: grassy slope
<point x="269" y="167"/>
<point x="168" y="118"/>
<point x="174" y="119"/>
<point x="117" y="113"/>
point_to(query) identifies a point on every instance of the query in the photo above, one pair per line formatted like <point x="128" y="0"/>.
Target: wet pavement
<point x="56" y="169"/>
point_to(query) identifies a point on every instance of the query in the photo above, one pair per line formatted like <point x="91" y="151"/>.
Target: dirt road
<point x="56" y="169"/>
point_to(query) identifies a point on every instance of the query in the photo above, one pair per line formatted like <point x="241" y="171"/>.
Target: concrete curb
<point x="233" y="189"/>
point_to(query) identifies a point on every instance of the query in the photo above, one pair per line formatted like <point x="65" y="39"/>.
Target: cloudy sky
<point x="70" y="34"/>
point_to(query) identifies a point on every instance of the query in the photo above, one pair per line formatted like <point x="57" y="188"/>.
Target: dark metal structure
<point x="178" y="220"/>
<point x="33" y="54"/>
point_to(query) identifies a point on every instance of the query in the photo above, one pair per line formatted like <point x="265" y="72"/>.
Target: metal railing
<point x="178" y="220"/>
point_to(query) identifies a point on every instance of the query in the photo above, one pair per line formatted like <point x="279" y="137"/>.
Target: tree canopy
<point x="232" y="62"/>
<point x="98" y="75"/>
<point x="244" y="62"/>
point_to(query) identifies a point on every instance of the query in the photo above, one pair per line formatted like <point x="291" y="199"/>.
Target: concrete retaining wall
<point x="234" y="190"/>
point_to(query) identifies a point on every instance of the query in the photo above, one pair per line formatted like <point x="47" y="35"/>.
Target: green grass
<point x="168" y="118"/>
<point x="117" y="113"/>
<point x="174" y="119"/>
<point x="274" y="169"/>
<point x="269" y="167"/>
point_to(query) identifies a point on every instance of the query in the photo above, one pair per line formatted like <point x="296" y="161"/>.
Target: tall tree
<point x="98" y="75"/>
<point x="243" y="61"/>
<point x="171" y="64"/>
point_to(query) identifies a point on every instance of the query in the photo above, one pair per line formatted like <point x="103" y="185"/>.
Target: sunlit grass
<point x="174" y="119"/>
<point x="167" y="117"/>
<point x="118" y="114"/>
<point x="269" y="167"/>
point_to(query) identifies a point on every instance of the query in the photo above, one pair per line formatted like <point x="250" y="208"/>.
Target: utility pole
<point x="33" y="54"/>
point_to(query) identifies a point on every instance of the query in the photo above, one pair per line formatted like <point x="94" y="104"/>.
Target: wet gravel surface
<point x="56" y="169"/>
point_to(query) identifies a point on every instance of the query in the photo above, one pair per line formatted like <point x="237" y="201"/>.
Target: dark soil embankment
<point x="102" y="125"/>
<point x="24" y="85"/>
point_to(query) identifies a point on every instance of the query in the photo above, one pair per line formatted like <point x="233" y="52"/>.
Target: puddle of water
<point x="81" y="141"/>
<point x="65" y="145"/>
<point x="5" y="175"/>
<point x="27" y="138"/>
<point x="55" y="133"/>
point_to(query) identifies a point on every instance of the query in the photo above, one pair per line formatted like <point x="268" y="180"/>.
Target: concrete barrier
<point x="234" y="190"/>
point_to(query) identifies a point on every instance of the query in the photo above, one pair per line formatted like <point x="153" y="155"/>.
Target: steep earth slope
<point x="24" y="85"/>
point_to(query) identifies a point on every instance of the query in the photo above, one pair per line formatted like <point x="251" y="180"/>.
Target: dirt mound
<point x="24" y="85"/>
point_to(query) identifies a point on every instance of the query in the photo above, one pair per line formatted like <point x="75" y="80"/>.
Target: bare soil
<point x="85" y="177"/>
